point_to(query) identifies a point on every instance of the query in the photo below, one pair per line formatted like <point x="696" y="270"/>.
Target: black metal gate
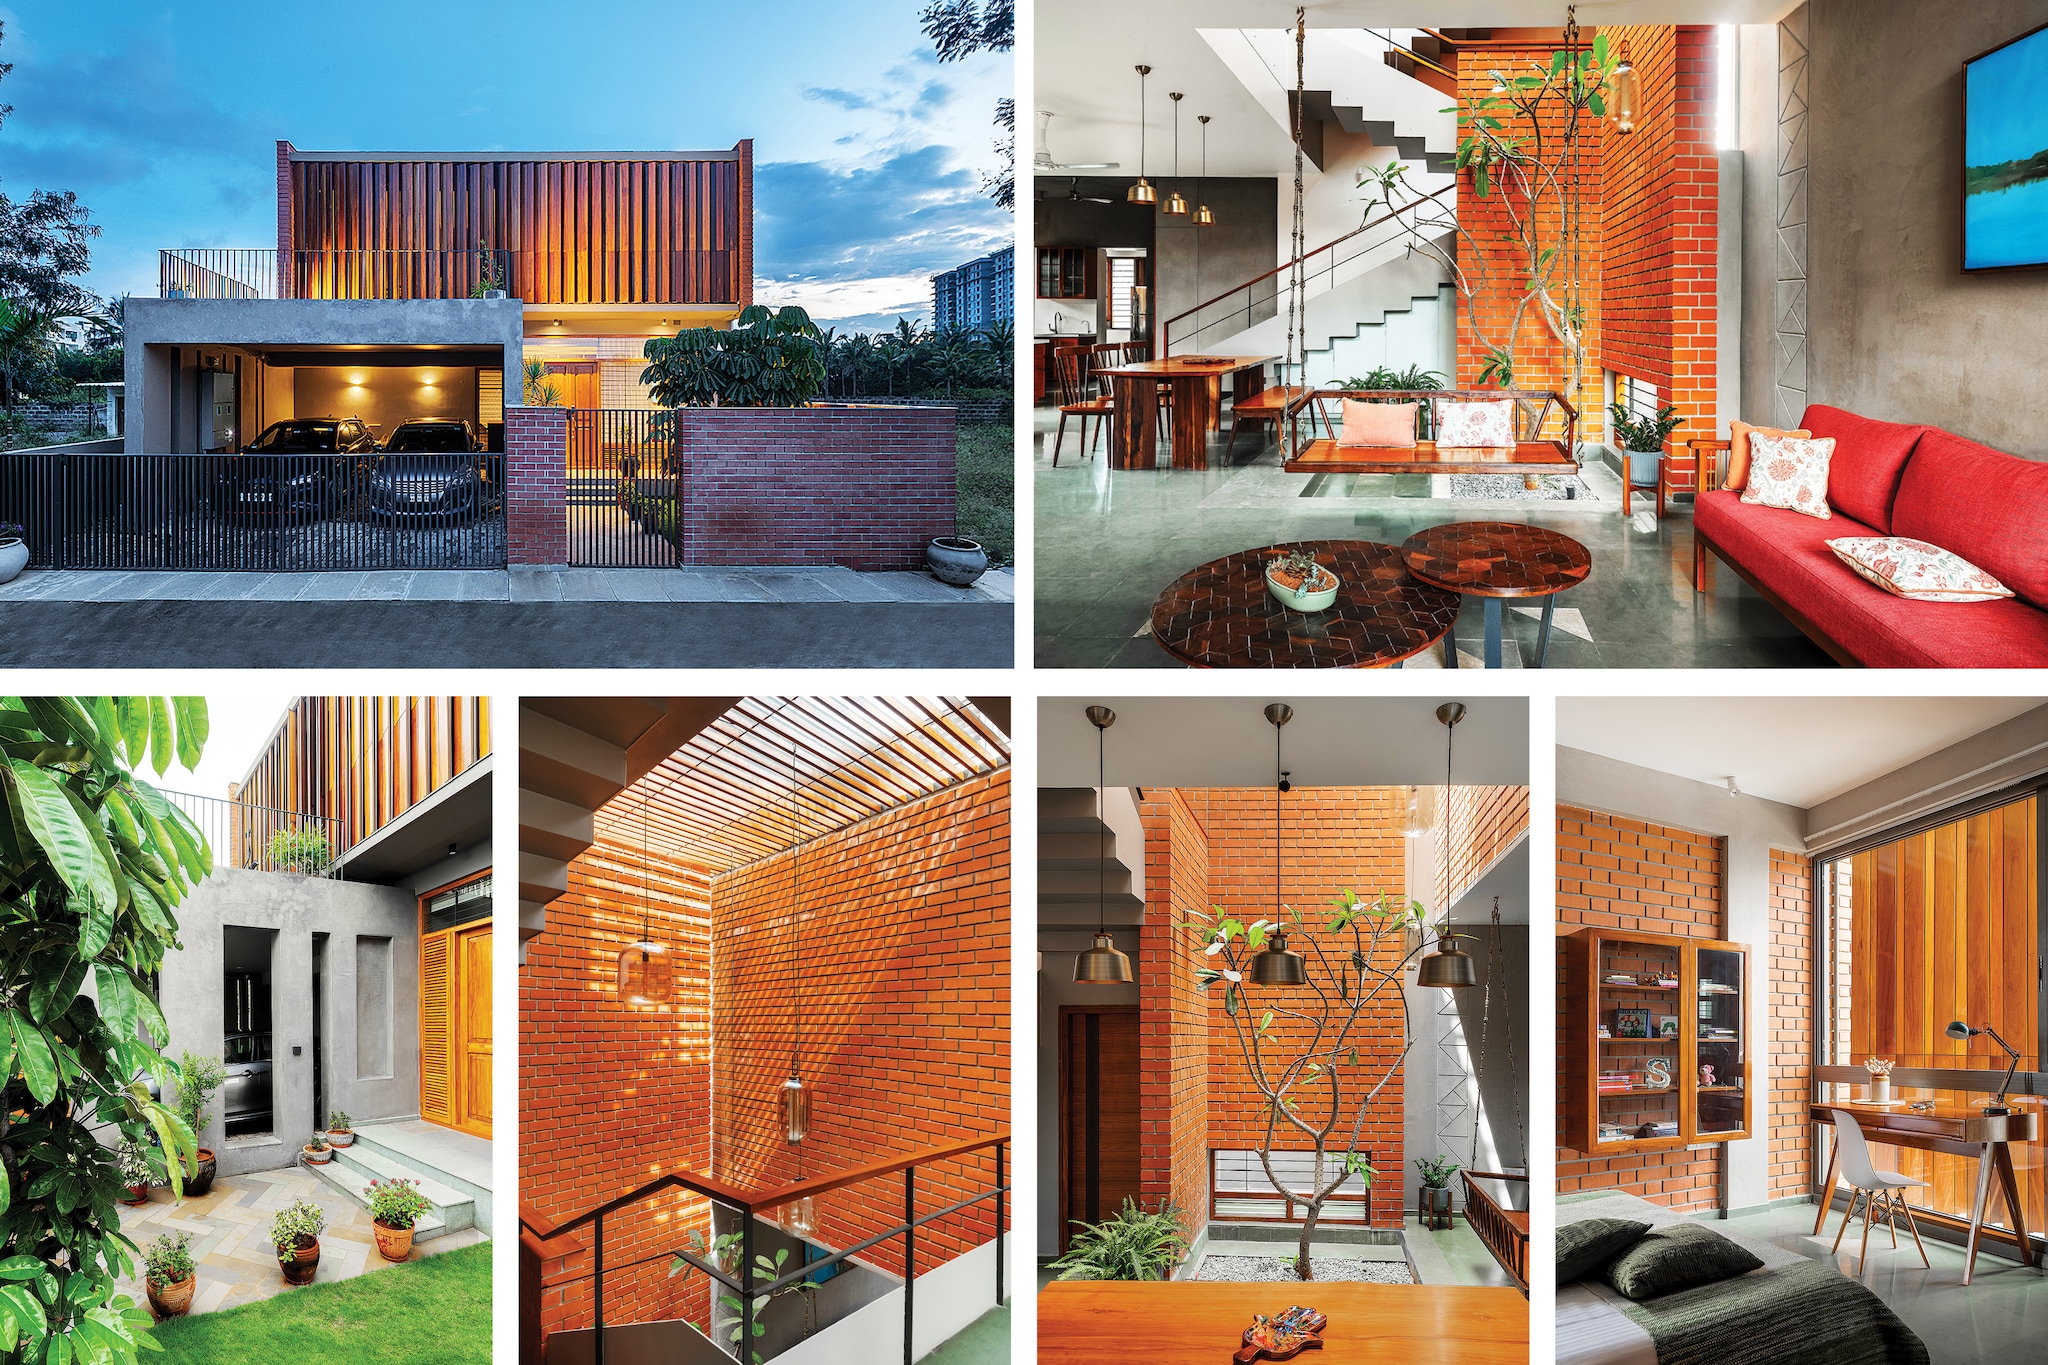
<point x="624" y="490"/>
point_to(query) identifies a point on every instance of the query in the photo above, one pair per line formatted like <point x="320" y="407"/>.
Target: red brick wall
<point x="1173" y="1015"/>
<point x="866" y="488"/>
<point x="1790" y="1030"/>
<point x="1478" y="825"/>
<point x="611" y="1097"/>
<point x="1619" y="873"/>
<point x="285" y="236"/>
<point x="746" y="268"/>
<point x="903" y="961"/>
<point x="536" y="473"/>
<point x="1333" y="839"/>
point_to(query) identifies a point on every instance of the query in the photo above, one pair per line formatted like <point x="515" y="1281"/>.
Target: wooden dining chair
<point x="1872" y="1186"/>
<point x="1078" y="399"/>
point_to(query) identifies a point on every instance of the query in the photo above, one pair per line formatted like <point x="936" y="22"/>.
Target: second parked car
<point x="433" y="469"/>
<point x="297" y="470"/>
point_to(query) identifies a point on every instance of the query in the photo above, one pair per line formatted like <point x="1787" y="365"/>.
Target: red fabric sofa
<point x="1891" y="479"/>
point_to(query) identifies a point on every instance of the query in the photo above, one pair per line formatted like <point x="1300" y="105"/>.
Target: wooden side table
<point x="1497" y="560"/>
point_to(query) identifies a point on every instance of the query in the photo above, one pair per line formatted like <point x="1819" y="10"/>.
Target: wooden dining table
<point x="1197" y="386"/>
<point x="1203" y="1323"/>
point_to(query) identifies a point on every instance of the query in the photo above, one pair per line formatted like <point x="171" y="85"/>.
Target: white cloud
<point x="832" y="301"/>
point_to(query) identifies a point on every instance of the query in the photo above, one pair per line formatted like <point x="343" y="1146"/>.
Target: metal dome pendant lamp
<point x="643" y="973"/>
<point x="1448" y="966"/>
<point x="1142" y="192"/>
<point x="800" y="1216"/>
<point x="1203" y="217"/>
<point x="1102" y="965"/>
<point x="1276" y="964"/>
<point x="1175" y="206"/>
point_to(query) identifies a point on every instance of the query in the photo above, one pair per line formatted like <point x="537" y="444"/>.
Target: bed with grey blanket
<point x="1791" y="1310"/>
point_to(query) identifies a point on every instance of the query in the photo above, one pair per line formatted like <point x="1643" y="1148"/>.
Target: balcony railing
<point x="536" y="1230"/>
<point x="264" y="838"/>
<point x="534" y="276"/>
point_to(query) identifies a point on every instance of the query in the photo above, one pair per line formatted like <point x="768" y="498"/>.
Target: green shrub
<point x="168" y="1258"/>
<point x="200" y="1077"/>
<point x="300" y="850"/>
<point x="300" y="1218"/>
<point x="1129" y="1245"/>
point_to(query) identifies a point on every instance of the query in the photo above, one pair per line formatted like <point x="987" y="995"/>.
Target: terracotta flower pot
<point x="137" y="1194"/>
<point x="171" y="1300"/>
<point x="300" y="1263"/>
<point x="202" y="1183"/>
<point x="393" y="1244"/>
<point x="340" y="1137"/>
<point x="319" y="1158"/>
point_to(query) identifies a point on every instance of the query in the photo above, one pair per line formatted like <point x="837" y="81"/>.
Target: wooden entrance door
<point x="455" y="1007"/>
<point x="473" y="951"/>
<point x="582" y="393"/>
<point x="1098" y="1112"/>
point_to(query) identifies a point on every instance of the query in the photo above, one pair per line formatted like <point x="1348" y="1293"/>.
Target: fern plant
<point x="1131" y="1244"/>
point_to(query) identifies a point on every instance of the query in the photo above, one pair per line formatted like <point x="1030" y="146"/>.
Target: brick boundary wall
<point x="1620" y="873"/>
<point x="536" y="486"/>
<point x="982" y="410"/>
<point x="1791" y="1022"/>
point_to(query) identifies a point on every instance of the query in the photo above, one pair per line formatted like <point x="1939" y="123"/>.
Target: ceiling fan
<point x="1075" y="196"/>
<point x="1041" y="158"/>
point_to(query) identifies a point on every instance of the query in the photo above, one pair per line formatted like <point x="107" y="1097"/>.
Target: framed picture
<point x="2005" y="155"/>
<point x="1631" y="1023"/>
<point x="1667" y="1026"/>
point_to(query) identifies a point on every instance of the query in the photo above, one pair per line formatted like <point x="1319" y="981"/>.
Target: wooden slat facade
<point x="365" y="761"/>
<point x="642" y="231"/>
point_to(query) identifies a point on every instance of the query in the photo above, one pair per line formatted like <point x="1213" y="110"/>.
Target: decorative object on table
<point x="1707" y="1075"/>
<point x="169" y="1275"/>
<point x="395" y="1207"/>
<point x="1284" y="1337"/>
<point x="198" y="1080"/>
<point x="957" y="560"/>
<point x="1104" y="964"/>
<point x="136" y="1172"/>
<point x="2005" y="171"/>
<point x="339" y="1131"/>
<point x="1301" y="583"/>
<point x="1642" y="440"/>
<point x="1791" y="474"/>
<point x="295" y="1234"/>
<point x="1657" y="1074"/>
<point x="1880" y="1069"/>
<point x="1962" y="1032"/>
<point x="13" y="550"/>
<point x="1916" y="570"/>
<point x="317" y="1151"/>
<point x="1631" y="1023"/>
<point x="1433" y="1203"/>
<point x="1667" y="1026"/>
<point x="1476" y="426"/>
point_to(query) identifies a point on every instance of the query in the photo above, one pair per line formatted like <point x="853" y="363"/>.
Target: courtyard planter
<point x="202" y="1182"/>
<point x="1642" y="467"/>
<point x="395" y="1206"/>
<point x="300" y="1261"/>
<point x="393" y="1244"/>
<point x="1434" y="1205"/>
<point x="295" y="1233"/>
<point x="13" y="558"/>
<point x="340" y="1129"/>
<point x="317" y="1155"/>
<point x="171" y="1300"/>
<point x="956" y="560"/>
<point x="137" y="1194"/>
<point x="169" y="1275"/>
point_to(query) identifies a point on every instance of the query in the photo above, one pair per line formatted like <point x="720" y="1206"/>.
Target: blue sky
<point x="163" y="119"/>
<point x="2008" y="120"/>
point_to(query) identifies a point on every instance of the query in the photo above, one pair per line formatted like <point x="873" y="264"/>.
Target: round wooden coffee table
<point x="1497" y="560"/>
<point x="1222" y="616"/>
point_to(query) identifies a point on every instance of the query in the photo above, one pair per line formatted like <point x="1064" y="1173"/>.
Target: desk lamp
<point x="1997" y="1106"/>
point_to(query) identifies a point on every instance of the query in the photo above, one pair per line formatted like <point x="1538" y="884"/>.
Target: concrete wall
<point x="1983" y="763"/>
<point x="366" y="927"/>
<point x="1757" y="130"/>
<point x="1194" y="264"/>
<point x="385" y="395"/>
<point x="1896" y="330"/>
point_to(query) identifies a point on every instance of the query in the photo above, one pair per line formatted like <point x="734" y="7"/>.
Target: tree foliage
<point x="93" y="863"/>
<point x="45" y="240"/>
<point x="768" y="358"/>
<point x="959" y="29"/>
<point x="917" y="362"/>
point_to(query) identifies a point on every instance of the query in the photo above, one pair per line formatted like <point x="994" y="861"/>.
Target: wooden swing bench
<point x="1502" y="1230"/>
<point x="1531" y="454"/>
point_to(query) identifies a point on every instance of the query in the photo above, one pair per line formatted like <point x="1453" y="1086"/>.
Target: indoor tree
<point x="93" y="862"/>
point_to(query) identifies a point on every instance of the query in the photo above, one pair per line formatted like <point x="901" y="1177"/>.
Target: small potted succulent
<point x="1435" y="1200"/>
<point x="168" y="1275"/>
<point x="395" y="1206"/>
<point x="199" y="1078"/>
<point x="956" y="559"/>
<point x="136" y="1174"/>
<point x="295" y="1232"/>
<point x="1880" y="1069"/>
<point x="13" y="550"/>
<point x="339" y="1133"/>
<point x="317" y="1150"/>
<point x="1300" y="583"/>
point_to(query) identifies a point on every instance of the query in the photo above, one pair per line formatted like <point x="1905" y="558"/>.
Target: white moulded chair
<point x="1873" y="1187"/>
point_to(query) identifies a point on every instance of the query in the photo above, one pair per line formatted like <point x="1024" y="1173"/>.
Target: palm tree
<point x="1000" y="337"/>
<point x="539" y="389"/>
<point x="827" y="341"/>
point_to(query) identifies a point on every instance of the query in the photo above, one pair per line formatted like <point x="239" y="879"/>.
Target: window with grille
<point x="1239" y="1191"/>
<point x="1123" y="280"/>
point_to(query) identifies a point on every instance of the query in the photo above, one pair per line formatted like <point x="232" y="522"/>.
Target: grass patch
<point x="985" y="484"/>
<point x="431" y="1312"/>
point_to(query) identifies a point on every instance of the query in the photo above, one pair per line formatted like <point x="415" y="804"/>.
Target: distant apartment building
<point x="977" y="293"/>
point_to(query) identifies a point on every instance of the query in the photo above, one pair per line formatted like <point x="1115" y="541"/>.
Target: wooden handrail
<point x="853" y="1175"/>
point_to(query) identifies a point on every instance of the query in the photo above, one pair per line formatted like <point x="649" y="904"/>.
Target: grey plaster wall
<point x="296" y="908"/>
<point x="1896" y="330"/>
<point x="1195" y="264"/>
<point x="1751" y="827"/>
<point x="1759" y="104"/>
<point x="1999" y="757"/>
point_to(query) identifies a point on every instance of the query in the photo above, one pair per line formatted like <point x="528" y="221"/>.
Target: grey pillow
<point x="1583" y="1248"/>
<point x="1682" y="1256"/>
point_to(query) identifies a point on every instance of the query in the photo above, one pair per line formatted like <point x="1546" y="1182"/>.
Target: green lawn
<point x="985" y="482"/>
<point x="431" y="1312"/>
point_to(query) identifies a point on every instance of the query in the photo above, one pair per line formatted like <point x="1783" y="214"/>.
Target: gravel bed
<point x="1265" y="1269"/>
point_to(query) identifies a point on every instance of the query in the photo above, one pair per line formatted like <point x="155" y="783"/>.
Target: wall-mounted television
<point x="2005" y="155"/>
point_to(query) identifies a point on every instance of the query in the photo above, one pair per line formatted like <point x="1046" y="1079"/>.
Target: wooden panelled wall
<point x="365" y="761"/>
<point x="578" y="231"/>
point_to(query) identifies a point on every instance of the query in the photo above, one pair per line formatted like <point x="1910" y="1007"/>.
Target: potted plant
<point x="1435" y="1201"/>
<point x="13" y="549"/>
<point x="168" y="1275"/>
<point x="199" y="1079"/>
<point x="1301" y="583"/>
<point x="136" y="1175"/>
<point x="317" y="1150"/>
<point x="395" y="1206"/>
<point x="295" y="1232"/>
<point x="957" y="560"/>
<point x="1130" y="1244"/>
<point x="1643" y="437"/>
<point x="339" y="1133"/>
<point x="490" y="282"/>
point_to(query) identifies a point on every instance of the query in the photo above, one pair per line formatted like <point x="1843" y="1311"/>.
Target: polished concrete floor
<point x="1108" y="541"/>
<point x="2000" y="1319"/>
<point x="986" y="1341"/>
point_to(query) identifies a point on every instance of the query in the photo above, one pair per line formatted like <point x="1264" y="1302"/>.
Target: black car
<point x="298" y="470"/>
<point x="432" y="469"/>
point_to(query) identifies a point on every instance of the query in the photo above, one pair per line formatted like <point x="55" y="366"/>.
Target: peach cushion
<point x="1738" y="451"/>
<point x="1378" y="424"/>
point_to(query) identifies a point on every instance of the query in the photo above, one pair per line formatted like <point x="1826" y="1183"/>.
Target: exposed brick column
<point x="746" y="226"/>
<point x="1792" y="1021"/>
<point x="285" y="207"/>
<point x="1173" y="1014"/>
<point x="536" y="479"/>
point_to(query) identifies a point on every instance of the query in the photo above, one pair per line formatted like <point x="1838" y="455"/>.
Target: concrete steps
<point x="455" y="1207"/>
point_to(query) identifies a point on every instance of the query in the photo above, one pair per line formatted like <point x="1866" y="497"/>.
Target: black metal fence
<point x="262" y="513"/>
<point x="265" y="838"/>
<point x="624" y="489"/>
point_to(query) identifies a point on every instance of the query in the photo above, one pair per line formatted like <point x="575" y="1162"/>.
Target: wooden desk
<point x="1959" y="1130"/>
<point x="1197" y="405"/>
<point x="1097" y="1322"/>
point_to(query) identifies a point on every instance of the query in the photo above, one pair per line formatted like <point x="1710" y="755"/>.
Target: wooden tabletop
<point x="1095" y="1323"/>
<point x="1497" y="559"/>
<point x="1221" y="615"/>
<point x="1208" y="364"/>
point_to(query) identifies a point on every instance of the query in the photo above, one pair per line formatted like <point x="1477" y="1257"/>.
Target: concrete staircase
<point x="451" y="1169"/>
<point x="1397" y="314"/>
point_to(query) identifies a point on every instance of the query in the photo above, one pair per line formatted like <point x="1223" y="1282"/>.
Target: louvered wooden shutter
<point x="437" y="1100"/>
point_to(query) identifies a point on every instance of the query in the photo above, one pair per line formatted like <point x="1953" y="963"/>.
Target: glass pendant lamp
<point x="1276" y="964"/>
<point x="1624" y="94"/>
<point x="1142" y="192"/>
<point x="644" y="966"/>
<point x="1103" y="964"/>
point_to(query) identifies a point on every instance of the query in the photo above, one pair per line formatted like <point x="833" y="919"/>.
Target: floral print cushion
<point x="1917" y="571"/>
<point x="1787" y="472"/>
<point x="1471" y="425"/>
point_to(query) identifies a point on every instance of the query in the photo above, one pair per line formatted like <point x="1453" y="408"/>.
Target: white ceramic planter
<point x="1304" y="601"/>
<point x="13" y="558"/>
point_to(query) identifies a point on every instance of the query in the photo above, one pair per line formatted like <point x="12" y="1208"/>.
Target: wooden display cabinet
<point x="1688" y="996"/>
<point x="1066" y="272"/>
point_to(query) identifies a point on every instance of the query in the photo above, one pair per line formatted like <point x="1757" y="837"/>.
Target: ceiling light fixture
<point x="1733" y="790"/>
<point x="1175" y="206"/>
<point x="644" y="966"/>
<point x="1142" y="192"/>
<point x="1102" y="964"/>
<point x="1276" y="964"/>
<point x="1448" y="966"/>
<point x="1203" y="217"/>
<point x="1624" y="93"/>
